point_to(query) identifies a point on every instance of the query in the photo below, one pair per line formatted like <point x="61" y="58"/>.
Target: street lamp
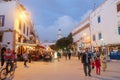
<point x="102" y="41"/>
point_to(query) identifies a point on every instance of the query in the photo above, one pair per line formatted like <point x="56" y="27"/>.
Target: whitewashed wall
<point x="108" y="25"/>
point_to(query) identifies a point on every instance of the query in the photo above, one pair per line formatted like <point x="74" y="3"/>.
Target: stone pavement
<point x="63" y="70"/>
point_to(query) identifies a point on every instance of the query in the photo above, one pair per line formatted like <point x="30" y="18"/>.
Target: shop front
<point x="33" y="49"/>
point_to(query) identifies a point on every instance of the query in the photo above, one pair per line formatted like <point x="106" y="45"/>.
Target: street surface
<point x="63" y="70"/>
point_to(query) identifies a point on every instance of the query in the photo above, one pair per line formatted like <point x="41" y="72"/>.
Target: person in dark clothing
<point x="29" y="57"/>
<point x="2" y="56"/>
<point x="69" y="55"/>
<point x="86" y="62"/>
<point x="65" y="54"/>
<point x="58" y="56"/>
<point x="79" y="55"/>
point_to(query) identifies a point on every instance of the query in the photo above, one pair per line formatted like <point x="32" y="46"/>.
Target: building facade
<point x="81" y="34"/>
<point x="16" y="27"/>
<point x="104" y="25"/>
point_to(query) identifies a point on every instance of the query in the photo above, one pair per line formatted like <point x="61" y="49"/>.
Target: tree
<point x="65" y="42"/>
<point x="70" y="39"/>
<point x="54" y="47"/>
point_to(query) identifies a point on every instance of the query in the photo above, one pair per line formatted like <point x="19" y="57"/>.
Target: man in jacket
<point x="86" y="62"/>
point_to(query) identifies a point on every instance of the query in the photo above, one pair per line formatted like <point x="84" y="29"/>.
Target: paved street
<point x="63" y="70"/>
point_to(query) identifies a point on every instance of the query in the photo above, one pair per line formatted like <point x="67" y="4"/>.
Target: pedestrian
<point x="93" y="64"/>
<point x="79" y="54"/>
<point x="58" y="56"/>
<point x="29" y="57"/>
<point x="2" y="56"/>
<point x="52" y="56"/>
<point x="86" y="62"/>
<point x="104" y="62"/>
<point x="92" y="59"/>
<point x="66" y="54"/>
<point x="25" y="57"/>
<point x="98" y="65"/>
<point x="69" y="55"/>
<point x="15" y="57"/>
<point x="8" y="56"/>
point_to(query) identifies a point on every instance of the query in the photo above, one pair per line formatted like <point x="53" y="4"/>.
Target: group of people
<point x="93" y="60"/>
<point x="9" y="55"/>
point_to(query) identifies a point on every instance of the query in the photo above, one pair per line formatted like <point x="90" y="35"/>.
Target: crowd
<point x="8" y="55"/>
<point x="93" y="60"/>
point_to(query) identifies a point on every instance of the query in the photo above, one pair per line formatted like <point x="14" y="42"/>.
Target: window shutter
<point x="3" y="20"/>
<point x="119" y="30"/>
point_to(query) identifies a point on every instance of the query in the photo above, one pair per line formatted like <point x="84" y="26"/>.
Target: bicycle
<point x="4" y="74"/>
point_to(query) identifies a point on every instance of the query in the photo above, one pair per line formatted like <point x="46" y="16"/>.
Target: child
<point x="98" y="65"/>
<point x="93" y="64"/>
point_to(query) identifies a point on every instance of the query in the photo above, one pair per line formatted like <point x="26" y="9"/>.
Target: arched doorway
<point x="20" y="51"/>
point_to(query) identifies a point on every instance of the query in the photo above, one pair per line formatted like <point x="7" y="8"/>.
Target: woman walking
<point x="104" y="62"/>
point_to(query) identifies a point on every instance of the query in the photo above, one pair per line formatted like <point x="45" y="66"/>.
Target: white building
<point x="81" y="34"/>
<point x="104" y="25"/>
<point x="16" y="27"/>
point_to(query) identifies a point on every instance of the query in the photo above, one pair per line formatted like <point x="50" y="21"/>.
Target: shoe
<point x="90" y="75"/>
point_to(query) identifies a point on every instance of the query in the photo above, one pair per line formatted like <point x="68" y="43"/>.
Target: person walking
<point x="93" y="64"/>
<point x="79" y="54"/>
<point x="69" y="54"/>
<point x="15" y="57"/>
<point x="104" y="63"/>
<point x="104" y="60"/>
<point x="58" y="56"/>
<point x="66" y="54"/>
<point x="2" y="56"/>
<point x="98" y="65"/>
<point x="86" y="62"/>
<point x="25" y="57"/>
<point x="29" y="57"/>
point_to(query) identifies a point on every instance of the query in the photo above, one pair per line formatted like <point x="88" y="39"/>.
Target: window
<point x="94" y="38"/>
<point x="2" y="18"/>
<point x="19" y="39"/>
<point x="20" y="25"/>
<point x="27" y="31"/>
<point x="119" y="30"/>
<point x="118" y="7"/>
<point x="24" y="29"/>
<point x="99" y="19"/>
<point x="1" y="36"/>
<point x="100" y="36"/>
<point x="24" y="40"/>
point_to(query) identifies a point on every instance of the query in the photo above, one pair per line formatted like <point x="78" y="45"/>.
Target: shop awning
<point x="31" y="45"/>
<point x="26" y="44"/>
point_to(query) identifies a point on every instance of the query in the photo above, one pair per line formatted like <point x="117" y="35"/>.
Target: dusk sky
<point x="50" y="15"/>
